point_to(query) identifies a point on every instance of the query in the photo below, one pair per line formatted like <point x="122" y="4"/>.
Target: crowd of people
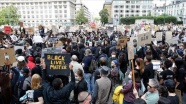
<point x="99" y="72"/>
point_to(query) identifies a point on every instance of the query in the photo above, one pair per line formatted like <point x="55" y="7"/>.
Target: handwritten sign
<point x="144" y="38"/>
<point x="159" y="36"/>
<point x="57" y="64"/>
<point x="7" y="54"/>
<point x="130" y="49"/>
<point x="121" y="42"/>
<point x="168" y="35"/>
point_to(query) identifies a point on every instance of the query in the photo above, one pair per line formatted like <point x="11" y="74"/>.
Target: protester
<point x="31" y="63"/>
<point x="37" y="69"/>
<point x="103" y="87"/>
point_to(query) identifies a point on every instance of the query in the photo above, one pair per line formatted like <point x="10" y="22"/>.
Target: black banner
<point x="57" y="64"/>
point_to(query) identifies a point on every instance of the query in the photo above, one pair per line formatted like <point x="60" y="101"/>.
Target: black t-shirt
<point x="36" y="70"/>
<point x="167" y="74"/>
<point x="38" y="93"/>
<point x="173" y="99"/>
<point x="149" y="67"/>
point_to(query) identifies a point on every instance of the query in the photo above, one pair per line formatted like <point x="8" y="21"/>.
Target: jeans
<point x="89" y="78"/>
<point x="184" y="98"/>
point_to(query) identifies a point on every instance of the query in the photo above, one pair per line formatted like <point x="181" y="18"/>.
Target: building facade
<point x="158" y="11"/>
<point x="108" y="6"/>
<point x="44" y="12"/>
<point x="80" y="5"/>
<point x="126" y="8"/>
<point x="175" y="8"/>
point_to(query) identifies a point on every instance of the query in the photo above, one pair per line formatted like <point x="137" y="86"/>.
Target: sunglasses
<point x="150" y="86"/>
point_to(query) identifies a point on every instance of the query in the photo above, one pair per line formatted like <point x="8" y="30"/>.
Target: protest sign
<point x="130" y="49"/>
<point x="57" y="64"/>
<point x="121" y="42"/>
<point x="52" y="39"/>
<point x="174" y="40"/>
<point x="37" y="39"/>
<point x="156" y="64"/>
<point x="144" y="38"/>
<point x="9" y="54"/>
<point x="159" y="36"/>
<point x="168" y="35"/>
<point x="53" y="50"/>
<point x="133" y="39"/>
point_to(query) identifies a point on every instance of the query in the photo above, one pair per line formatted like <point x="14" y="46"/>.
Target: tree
<point x="80" y="17"/>
<point x="9" y="15"/>
<point x="96" y="19"/>
<point x="104" y="16"/>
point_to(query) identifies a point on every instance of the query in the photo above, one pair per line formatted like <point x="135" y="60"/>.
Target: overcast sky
<point x="94" y="6"/>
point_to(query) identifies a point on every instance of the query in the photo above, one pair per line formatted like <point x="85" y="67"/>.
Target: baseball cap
<point x="170" y="83"/>
<point x="20" y="58"/>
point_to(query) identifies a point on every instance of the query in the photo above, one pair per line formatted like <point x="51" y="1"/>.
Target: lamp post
<point x="165" y="10"/>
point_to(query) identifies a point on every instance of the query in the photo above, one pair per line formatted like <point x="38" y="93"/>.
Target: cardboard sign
<point x="168" y="35"/>
<point x="37" y="39"/>
<point x="52" y="39"/>
<point x="121" y="42"/>
<point x="9" y="54"/>
<point x="130" y="49"/>
<point x="132" y="39"/>
<point x="57" y="64"/>
<point x="30" y="30"/>
<point x="159" y="36"/>
<point x="172" y="41"/>
<point x="156" y="64"/>
<point x="144" y="38"/>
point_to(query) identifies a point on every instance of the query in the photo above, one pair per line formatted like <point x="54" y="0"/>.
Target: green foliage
<point x="80" y="17"/>
<point x="180" y="22"/>
<point x="157" y="20"/>
<point x="9" y="16"/>
<point x="104" y="16"/>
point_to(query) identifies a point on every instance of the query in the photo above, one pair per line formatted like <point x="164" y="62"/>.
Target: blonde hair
<point x="36" y="82"/>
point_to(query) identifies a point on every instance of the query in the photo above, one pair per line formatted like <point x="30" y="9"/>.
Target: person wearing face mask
<point x="152" y="95"/>
<point x="127" y="89"/>
<point x="113" y="57"/>
<point x="80" y="86"/>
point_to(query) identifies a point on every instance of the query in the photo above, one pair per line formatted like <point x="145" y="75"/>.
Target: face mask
<point x="129" y="76"/>
<point x="76" y="78"/>
<point x="113" y="56"/>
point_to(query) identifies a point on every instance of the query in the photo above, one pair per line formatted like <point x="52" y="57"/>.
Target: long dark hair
<point x="5" y="87"/>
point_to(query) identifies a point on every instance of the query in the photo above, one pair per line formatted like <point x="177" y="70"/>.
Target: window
<point x="116" y="6"/>
<point x="65" y="6"/>
<point x="28" y="12"/>
<point x="144" y="11"/>
<point x="127" y="1"/>
<point x="65" y="11"/>
<point x="65" y="16"/>
<point x="137" y="14"/>
<point x="116" y="11"/>
<point x="32" y="16"/>
<point x="132" y="15"/>
<point x="121" y="6"/>
<point x="28" y="16"/>
<point x="137" y="11"/>
<point x="55" y="2"/>
<point x="121" y="11"/>
<point x="56" y="11"/>
<point x="64" y="2"/>
<point x="56" y="16"/>
<point x="137" y="6"/>
<point x="121" y="15"/>
<point x="132" y="11"/>
<point x="132" y="6"/>
<point x="126" y="15"/>
<point x="26" y="3"/>
<point x="127" y="11"/>
<point x="127" y="6"/>
<point x="46" y="16"/>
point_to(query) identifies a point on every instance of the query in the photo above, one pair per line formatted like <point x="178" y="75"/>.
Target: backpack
<point x="93" y="65"/>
